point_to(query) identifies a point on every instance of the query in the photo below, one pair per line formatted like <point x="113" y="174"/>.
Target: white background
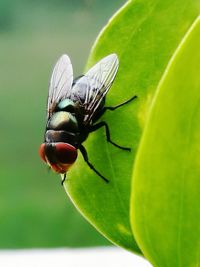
<point x="94" y="257"/>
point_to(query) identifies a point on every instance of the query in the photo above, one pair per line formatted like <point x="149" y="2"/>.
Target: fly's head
<point x="58" y="156"/>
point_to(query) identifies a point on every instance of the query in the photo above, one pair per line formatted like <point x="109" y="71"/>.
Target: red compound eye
<point x="42" y="152"/>
<point x="65" y="153"/>
<point x="59" y="156"/>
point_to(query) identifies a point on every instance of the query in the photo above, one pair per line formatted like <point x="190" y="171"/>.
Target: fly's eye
<point x="42" y="152"/>
<point x="65" y="153"/>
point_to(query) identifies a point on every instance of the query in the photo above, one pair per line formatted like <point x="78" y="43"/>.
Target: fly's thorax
<point x="73" y="107"/>
<point x="53" y="136"/>
<point x="62" y="120"/>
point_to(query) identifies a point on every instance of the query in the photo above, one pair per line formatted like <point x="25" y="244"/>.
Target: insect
<point x="73" y="110"/>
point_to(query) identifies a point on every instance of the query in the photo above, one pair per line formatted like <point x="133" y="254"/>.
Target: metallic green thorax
<point x="65" y="124"/>
<point x="64" y="118"/>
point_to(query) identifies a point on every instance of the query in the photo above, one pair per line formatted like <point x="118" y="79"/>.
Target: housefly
<point x="73" y="109"/>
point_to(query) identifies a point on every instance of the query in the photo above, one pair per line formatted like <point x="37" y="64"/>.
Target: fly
<point x="73" y="110"/>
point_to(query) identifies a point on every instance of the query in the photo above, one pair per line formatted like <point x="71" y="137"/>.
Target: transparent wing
<point x="91" y="88"/>
<point x="60" y="83"/>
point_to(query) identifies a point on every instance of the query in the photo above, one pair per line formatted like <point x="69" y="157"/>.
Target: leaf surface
<point x="166" y="183"/>
<point x="144" y="34"/>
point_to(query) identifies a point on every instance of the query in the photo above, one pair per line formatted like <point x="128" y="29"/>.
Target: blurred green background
<point x="34" y="209"/>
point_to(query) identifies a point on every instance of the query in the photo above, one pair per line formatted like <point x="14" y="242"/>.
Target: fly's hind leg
<point x="117" y="106"/>
<point x="85" y="156"/>
<point x="105" y="125"/>
<point x="122" y="104"/>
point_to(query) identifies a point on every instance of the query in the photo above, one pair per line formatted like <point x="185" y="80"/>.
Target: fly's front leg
<point x="63" y="178"/>
<point x="85" y="156"/>
<point x="105" y="125"/>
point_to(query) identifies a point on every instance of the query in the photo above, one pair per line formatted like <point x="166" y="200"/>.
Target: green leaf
<point x="144" y="34"/>
<point x="166" y="182"/>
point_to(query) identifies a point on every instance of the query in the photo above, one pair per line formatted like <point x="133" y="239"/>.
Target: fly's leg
<point x="85" y="156"/>
<point x="63" y="178"/>
<point x="117" y="106"/>
<point x="104" y="124"/>
<point x="122" y="104"/>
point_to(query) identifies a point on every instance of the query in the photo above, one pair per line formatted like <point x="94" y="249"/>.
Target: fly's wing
<point x="91" y="88"/>
<point x="60" y="83"/>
